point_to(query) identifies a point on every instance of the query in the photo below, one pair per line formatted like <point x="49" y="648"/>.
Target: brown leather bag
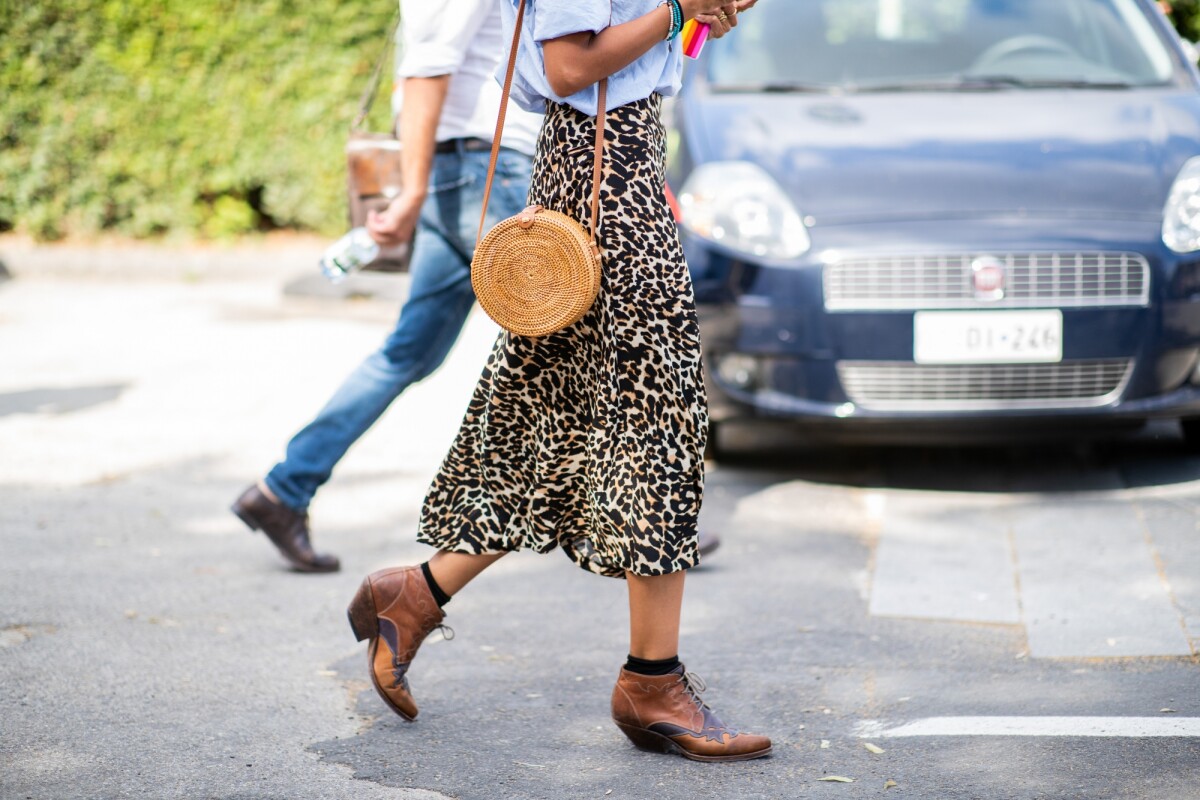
<point x="373" y="166"/>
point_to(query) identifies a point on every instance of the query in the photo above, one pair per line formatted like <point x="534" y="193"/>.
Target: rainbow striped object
<point x="694" y="35"/>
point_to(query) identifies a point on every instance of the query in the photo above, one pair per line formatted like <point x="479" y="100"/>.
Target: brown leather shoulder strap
<point x="601" y="112"/>
<point x="598" y="157"/>
<point x="368" y="96"/>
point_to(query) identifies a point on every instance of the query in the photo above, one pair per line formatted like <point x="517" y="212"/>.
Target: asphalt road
<point x="1000" y="623"/>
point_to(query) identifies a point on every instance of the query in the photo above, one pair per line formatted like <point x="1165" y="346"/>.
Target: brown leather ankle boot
<point x="664" y="713"/>
<point x="286" y="528"/>
<point x="394" y="607"/>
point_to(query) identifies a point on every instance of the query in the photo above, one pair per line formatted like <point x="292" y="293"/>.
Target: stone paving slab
<point x="944" y="557"/>
<point x="1097" y="577"/>
<point x="1090" y="586"/>
<point x="1174" y="529"/>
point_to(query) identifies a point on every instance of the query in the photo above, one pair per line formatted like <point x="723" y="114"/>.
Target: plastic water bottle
<point x="349" y="254"/>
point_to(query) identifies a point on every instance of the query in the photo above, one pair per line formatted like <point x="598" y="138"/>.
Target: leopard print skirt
<point x="591" y="438"/>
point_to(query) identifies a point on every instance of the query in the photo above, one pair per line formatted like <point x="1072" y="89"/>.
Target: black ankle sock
<point x="441" y="597"/>
<point x="644" y="667"/>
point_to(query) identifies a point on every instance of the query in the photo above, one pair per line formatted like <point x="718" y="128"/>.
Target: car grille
<point x="901" y="386"/>
<point x="1032" y="280"/>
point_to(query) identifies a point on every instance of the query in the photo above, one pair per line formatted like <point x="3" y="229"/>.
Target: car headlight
<point x="740" y="206"/>
<point x="1181" y="215"/>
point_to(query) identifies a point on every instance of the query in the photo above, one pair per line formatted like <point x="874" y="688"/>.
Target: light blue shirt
<point x="659" y="70"/>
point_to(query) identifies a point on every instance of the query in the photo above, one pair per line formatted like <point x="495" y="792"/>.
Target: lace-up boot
<point x="396" y="611"/>
<point x="287" y="530"/>
<point x="664" y="713"/>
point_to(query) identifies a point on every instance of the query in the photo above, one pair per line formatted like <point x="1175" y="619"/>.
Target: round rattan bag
<point x="536" y="273"/>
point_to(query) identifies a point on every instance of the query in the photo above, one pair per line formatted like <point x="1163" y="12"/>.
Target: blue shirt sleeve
<point x="555" y="18"/>
<point x="656" y="71"/>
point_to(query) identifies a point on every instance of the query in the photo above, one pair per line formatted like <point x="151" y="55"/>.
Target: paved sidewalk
<point x="151" y="647"/>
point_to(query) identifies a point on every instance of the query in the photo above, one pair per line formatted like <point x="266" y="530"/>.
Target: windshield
<point x="894" y="45"/>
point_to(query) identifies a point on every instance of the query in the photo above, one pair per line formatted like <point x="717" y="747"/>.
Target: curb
<point x="291" y="262"/>
<point x="116" y="259"/>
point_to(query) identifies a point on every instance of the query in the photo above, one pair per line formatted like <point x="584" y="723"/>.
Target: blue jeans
<point x="440" y="297"/>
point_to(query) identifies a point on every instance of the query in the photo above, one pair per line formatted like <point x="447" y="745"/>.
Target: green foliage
<point x="196" y="116"/>
<point x="212" y="117"/>
<point x="1186" y="16"/>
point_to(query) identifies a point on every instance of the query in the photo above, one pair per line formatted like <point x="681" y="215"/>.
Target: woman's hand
<point x="578" y="60"/>
<point x="723" y="19"/>
<point x="697" y="8"/>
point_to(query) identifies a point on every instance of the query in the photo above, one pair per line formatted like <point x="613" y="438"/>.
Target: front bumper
<point x="1182" y="402"/>
<point x="772" y="320"/>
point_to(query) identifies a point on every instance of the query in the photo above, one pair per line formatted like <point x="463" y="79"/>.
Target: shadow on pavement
<point x="59" y="400"/>
<point x="1155" y="456"/>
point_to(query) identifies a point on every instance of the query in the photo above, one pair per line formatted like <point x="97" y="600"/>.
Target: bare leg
<point x="664" y="713"/>
<point x="654" y="607"/>
<point x="453" y="571"/>
<point x="396" y="609"/>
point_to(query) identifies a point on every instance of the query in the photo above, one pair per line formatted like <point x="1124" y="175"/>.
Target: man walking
<point x="448" y="110"/>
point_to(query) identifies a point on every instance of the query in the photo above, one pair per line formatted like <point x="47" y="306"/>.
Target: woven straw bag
<point x="538" y="272"/>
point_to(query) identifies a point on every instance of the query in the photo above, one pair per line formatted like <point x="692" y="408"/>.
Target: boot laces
<point x="447" y="634"/>
<point x="695" y="687"/>
<point x="400" y="668"/>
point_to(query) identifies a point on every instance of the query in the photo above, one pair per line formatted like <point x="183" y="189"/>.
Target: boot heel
<point x="361" y="613"/>
<point x="250" y="521"/>
<point x="648" y="740"/>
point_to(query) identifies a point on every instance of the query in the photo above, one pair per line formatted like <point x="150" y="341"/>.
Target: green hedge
<point x="1186" y="16"/>
<point x="209" y="117"/>
<point x="213" y="117"/>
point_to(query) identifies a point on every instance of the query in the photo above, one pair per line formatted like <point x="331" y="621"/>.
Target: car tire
<point x="1191" y="433"/>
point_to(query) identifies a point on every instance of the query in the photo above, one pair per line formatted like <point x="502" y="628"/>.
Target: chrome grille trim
<point x="905" y="386"/>
<point x="1033" y="280"/>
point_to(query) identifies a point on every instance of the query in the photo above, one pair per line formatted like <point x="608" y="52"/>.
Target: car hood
<point x="856" y="158"/>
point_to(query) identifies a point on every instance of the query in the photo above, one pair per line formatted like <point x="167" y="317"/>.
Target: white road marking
<point x="1113" y="727"/>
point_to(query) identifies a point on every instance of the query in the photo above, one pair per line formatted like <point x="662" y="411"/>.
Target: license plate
<point x="987" y="337"/>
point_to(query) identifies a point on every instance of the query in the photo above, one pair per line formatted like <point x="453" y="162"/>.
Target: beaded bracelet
<point x="676" y="17"/>
<point x="671" y="11"/>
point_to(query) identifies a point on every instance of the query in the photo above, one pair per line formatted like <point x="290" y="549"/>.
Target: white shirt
<point x="463" y="39"/>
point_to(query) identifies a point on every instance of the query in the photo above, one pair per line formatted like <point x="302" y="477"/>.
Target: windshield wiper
<point x="776" y="87"/>
<point x="933" y="85"/>
<point x="956" y="83"/>
<point x="1051" y="83"/>
<point x="985" y="83"/>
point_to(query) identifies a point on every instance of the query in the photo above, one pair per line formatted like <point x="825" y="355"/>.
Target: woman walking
<point x="591" y="438"/>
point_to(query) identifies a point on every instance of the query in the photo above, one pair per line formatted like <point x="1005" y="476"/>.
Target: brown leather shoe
<point x="664" y="713"/>
<point x="394" y="607"/>
<point x="287" y="530"/>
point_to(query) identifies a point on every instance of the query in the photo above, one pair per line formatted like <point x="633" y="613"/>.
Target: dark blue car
<point x="945" y="217"/>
